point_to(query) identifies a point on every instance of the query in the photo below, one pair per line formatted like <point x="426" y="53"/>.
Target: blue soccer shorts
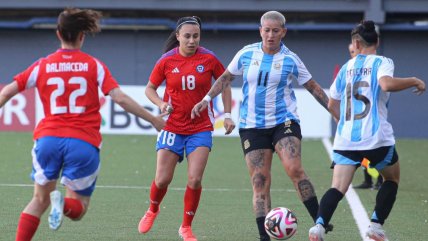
<point x="78" y="160"/>
<point x="179" y="144"/>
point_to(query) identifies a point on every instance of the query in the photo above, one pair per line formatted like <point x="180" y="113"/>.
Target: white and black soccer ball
<point x="281" y="223"/>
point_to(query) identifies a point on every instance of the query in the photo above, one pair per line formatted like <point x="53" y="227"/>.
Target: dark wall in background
<point x="130" y="55"/>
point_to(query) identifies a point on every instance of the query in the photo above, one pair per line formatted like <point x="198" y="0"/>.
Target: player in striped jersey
<point x="67" y="140"/>
<point x="359" y="101"/>
<point x="368" y="182"/>
<point x="187" y="69"/>
<point x="268" y="116"/>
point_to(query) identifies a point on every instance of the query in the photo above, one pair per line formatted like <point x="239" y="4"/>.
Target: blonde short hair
<point x="273" y="15"/>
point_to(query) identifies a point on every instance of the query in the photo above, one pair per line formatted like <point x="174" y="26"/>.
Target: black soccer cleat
<point x="264" y="238"/>
<point x="328" y="228"/>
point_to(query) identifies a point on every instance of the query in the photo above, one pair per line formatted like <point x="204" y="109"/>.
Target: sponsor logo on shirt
<point x="175" y="70"/>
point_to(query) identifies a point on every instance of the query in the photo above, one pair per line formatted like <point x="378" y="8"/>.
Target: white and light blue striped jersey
<point x="268" y="96"/>
<point x="363" y="123"/>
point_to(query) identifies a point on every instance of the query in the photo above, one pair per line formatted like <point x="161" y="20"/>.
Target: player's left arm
<point x="392" y="84"/>
<point x="334" y="108"/>
<point x="315" y="89"/>
<point x="8" y="92"/>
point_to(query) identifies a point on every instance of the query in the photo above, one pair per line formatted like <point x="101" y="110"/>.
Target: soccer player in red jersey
<point x="188" y="70"/>
<point x="67" y="140"/>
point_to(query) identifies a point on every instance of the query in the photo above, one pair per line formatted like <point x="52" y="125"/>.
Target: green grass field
<point x="224" y="214"/>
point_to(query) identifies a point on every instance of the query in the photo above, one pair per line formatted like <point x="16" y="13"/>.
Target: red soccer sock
<point x="156" y="197"/>
<point x="73" y="208"/>
<point x="191" y="202"/>
<point x="27" y="227"/>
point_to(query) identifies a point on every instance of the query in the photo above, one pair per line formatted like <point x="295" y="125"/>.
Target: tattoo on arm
<point x="315" y="89"/>
<point x="220" y="84"/>
<point x="306" y="190"/>
<point x="291" y="147"/>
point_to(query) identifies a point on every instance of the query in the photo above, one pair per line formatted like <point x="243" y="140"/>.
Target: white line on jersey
<point x="357" y="208"/>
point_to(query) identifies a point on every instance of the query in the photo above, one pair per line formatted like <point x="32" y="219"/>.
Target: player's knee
<point x="41" y="200"/>
<point x="194" y="182"/>
<point x="260" y="182"/>
<point x="296" y="172"/>
<point x="163" y="183"/>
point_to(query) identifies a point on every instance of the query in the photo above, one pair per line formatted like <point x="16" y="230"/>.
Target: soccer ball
<point x="281" y="223"/>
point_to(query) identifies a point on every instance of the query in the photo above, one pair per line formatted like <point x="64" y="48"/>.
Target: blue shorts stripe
<point x="388" y="158"/>
<point x="343" y="160"/>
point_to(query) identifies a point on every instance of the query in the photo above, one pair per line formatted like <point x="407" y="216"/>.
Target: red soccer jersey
<point x="67" y="82"/>
<point x="188" y="80"/>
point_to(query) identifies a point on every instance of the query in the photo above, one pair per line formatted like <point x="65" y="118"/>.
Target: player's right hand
<point x="158" y="122"/>
<point x="198" y="108"/>
<point x="166" y="108"/>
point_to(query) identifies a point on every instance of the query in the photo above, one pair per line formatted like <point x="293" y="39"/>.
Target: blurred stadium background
<point x="134" y="32"/>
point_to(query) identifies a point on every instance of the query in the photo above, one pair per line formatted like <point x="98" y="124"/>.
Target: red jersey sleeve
<point x="105" y="80"/>
<point x="27" y="78"/>
<point x="158" y="74"/>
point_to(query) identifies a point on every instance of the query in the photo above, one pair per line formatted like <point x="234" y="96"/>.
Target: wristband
<point x="207" y="98"/>
<point x="227" y="116"/>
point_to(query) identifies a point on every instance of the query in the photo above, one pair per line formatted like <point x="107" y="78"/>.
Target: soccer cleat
<point x="376" y="232"/>
<point x="147" y="221"/>
<point x="377" y="185"/>
<point x="264" y="238"/>
<point x="316" y="233"/>
<point x="57" y="208"/>
<point x="328" y="228"/>
<point x="186" y="234"/>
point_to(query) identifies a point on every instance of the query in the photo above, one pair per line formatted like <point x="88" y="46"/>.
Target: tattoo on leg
<point x="259" y="181"/>
<point x="260" y="204"/>
<point x="306" y="190"/>
<point x="256" y="158"/>
<point x="291" y="146"/>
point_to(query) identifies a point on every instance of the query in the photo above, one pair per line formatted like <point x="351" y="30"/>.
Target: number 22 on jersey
<point x="60" y="84"/>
